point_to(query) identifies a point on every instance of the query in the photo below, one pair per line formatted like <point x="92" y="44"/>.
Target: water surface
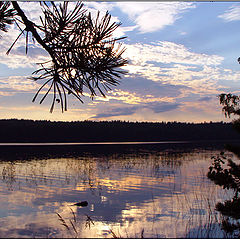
<point x="132" y="191"/>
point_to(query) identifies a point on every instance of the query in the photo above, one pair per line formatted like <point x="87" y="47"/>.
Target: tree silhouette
<point x="83" y="53"/>
<point x="230" y="103"/>
<point x="226" y="173"/>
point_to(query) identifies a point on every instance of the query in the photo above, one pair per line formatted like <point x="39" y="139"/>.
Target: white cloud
<point x="183" y="33"/>
<point x="174" y="64"/>
<point x="32" y="10"/>
<point x="154" y="16"/>
<point x="13" y="84"/>
<point x="101" y="6"/>
<point x="4" y="93"/>
<point x="133" y="98"/>
<point x="17" y="57"/>
<point x="168" y="52"/>
<point x="232" y="14"/>
<point x="36" y="54"/>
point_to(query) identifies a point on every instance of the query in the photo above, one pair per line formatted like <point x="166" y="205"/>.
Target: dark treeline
<point x="14" y="130"/>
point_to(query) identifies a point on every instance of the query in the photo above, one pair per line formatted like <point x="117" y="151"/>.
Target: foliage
<point x="230" y="208"/>
<point x="227" y="177"/>
<point x="83" y="52"/>
<point x="230" y="104"/>
<point x="6" y="16"/>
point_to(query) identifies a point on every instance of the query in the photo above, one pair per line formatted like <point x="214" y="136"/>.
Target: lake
<point x="157" y="190"/>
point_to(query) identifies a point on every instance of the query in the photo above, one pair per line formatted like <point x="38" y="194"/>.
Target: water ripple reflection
<point x="129" y="194"/>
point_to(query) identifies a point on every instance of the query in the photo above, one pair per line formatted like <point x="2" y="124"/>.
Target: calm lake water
<point x="149" y="190"/>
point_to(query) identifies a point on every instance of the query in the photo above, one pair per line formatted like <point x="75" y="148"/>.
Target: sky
<point x="181" y="56"/>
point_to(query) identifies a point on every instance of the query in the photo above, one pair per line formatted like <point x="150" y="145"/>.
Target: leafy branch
<point x="6" y="16"/>
<point x="230" y="104"/>
<point x="84" y="54"/>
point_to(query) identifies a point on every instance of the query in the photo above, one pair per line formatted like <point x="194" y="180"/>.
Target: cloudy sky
<point x="181" y="56"/>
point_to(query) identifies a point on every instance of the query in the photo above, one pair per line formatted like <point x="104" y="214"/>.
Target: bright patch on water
<point x="144" y="193"/>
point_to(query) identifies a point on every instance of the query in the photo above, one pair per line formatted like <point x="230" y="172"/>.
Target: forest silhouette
<point x="14" y="130"/>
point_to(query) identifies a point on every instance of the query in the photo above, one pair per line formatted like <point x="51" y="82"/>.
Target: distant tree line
<point x="13" y="130"/>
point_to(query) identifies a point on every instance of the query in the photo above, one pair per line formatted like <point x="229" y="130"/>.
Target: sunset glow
<point x="179" y="61"/>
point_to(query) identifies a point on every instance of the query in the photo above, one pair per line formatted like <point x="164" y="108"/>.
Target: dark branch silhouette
<point x="6" y="16"/>
<point x="84" y="54"/>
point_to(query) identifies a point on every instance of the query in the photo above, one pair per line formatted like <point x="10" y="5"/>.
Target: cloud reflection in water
<point x="153" y="193"/>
